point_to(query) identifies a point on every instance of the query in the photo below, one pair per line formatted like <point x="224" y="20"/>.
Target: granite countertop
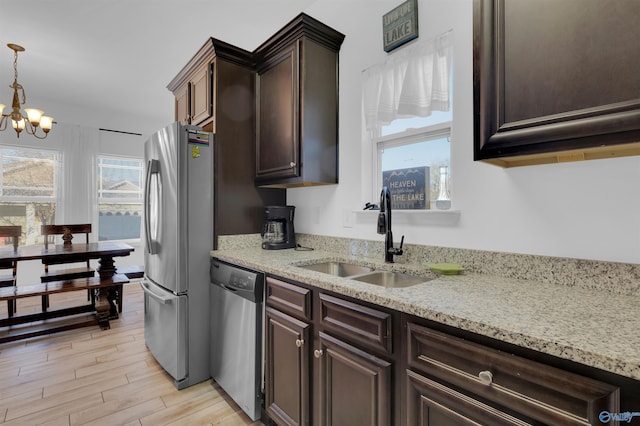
<point x="592" y="327"/>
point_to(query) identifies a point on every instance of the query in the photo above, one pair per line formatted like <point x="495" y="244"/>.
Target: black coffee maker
<point x="277" y="231"/>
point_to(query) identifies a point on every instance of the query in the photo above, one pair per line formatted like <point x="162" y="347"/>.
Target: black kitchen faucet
<point x="384" y="226"/>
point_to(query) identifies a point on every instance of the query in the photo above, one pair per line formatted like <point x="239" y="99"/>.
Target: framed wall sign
<point x="409" y="188"/>
<point x="400" y="25"/>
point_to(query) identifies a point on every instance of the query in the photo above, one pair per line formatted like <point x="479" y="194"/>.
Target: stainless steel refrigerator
<point x="178" y="228"/>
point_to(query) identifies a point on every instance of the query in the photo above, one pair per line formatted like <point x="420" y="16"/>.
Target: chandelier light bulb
<point x="34" y="115"/>
<point x="18" y="126"/>
<point x="46" y="123"/>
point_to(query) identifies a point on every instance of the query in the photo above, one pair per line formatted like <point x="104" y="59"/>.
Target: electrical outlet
<point x="347" y="218"/>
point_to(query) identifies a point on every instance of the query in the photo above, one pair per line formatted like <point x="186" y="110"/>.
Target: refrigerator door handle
<point x="153" y="167"/>
<point x="158" y="297"/>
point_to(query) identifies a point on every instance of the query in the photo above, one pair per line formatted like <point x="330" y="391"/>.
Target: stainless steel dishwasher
<point x="237" y="296"/>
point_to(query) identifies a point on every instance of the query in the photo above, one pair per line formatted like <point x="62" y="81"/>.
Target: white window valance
<point x="414" y="81"/>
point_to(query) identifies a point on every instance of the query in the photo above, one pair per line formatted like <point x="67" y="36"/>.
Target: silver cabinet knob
<point x="292" y="164"/>
<point x="317" y="353"/>
<point x="299" y="342"/>
<point x="486" y="377"/>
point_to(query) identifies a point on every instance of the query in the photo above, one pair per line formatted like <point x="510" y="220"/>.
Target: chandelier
<point x="34" y="117"/>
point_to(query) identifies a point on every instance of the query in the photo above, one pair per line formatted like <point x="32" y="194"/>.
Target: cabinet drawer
<point x="289" y="298"/>
<point x="369" y="327"/>
<point x="432" y="404"/>
<point x="535" y="390"/>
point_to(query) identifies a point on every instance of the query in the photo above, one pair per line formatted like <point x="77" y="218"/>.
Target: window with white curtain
<point x="120" y="185"/>
<point x="408" y="115"/>
<point x="28" y="190"/>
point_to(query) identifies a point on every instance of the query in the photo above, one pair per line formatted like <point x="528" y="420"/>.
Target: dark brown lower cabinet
<point x="333" y="360"/>
<point x="430" y="403"/>
<point x="474" y="382"/>
<point x="287" y="369"/>
<point x="330" y="364"/>
<point x="355" y="386"/>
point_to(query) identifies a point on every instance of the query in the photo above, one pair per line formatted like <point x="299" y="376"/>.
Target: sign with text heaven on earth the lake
<point x="409" y="188"/>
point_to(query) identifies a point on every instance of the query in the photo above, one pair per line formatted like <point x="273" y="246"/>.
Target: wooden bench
<point x="102" y="309"/>
<point x="131" y="271"/>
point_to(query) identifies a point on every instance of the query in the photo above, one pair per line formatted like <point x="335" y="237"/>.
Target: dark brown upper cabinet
<point x="215" y="90"/>
<point x="297" y="105"/>
<point x="196" y="86"/>
<point x="193" y="89"/>
<point x="555" y="81"/>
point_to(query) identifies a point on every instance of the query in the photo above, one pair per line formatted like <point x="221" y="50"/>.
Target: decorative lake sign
<point x="409" y="188"/>
<point x="400" y="25"/>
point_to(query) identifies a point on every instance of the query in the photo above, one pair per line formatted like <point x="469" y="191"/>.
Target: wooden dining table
<point x="104" y="251"/>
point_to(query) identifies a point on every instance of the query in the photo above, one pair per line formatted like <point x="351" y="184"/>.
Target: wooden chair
<point x="84" y="271"/>
<point x="9" y="280"/>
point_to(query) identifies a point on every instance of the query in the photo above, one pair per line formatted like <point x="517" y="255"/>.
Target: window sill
<point x="412" y="217"/>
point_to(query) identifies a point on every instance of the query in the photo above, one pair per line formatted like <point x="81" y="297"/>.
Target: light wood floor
<point x="90" y="376"/>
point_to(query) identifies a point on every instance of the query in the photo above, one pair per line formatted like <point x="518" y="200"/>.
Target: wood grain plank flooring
<point x="90" y="376"/>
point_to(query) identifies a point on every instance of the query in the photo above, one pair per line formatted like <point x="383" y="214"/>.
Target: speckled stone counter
<point x="595" y="327"/>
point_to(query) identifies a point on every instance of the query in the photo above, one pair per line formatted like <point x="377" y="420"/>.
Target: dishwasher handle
<point x="226" y="287"/>
<point x="157" y="297"/>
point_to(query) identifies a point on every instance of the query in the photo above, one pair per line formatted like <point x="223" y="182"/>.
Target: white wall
<point x="585" y="210"/>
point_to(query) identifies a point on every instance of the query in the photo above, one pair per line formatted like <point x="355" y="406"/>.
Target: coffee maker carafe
<point x="277" y="231"/>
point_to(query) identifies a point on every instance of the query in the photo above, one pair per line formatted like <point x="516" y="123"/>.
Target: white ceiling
<point x="120" y="54"/>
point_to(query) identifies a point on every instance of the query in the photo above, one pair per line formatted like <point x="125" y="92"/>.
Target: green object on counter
<point x="446" y="268"/>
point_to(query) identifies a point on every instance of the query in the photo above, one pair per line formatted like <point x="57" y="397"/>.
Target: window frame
<point x="403" y="138"/>
<point x="122" y="158"/>
<point x="117" y="200"/>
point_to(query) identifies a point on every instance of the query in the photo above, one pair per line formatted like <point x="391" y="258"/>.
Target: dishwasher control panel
<point x="243" y="282"/>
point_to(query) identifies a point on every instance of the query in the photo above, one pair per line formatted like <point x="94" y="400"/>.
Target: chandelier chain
<point x="15" y="84"/>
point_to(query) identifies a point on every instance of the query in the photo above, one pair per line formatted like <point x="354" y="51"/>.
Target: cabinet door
<point x="287" y="372"/>
<point x="278" y="109"/>
<point x="355" y="387"/>
<point x="554" y="84"/>
<point x="201" y="94"/>
<point x="182" y="104"/>
<point x="432" y="404"/>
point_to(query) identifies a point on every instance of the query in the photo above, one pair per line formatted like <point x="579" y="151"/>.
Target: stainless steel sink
<point x="341" y="269"/>
<point x="366" y="274"/>
<point x="391" y="279"/>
